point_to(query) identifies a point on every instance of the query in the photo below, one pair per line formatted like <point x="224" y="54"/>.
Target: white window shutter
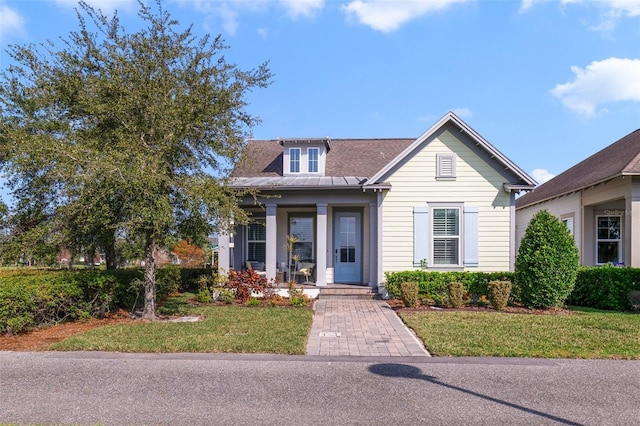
<point x="470" y="236"/>
<point x="420" y="235"/>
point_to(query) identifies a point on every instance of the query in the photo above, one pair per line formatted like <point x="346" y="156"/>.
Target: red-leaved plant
<point x="244" y="283"/>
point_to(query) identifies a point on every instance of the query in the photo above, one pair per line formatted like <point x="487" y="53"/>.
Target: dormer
<point x="304" y="157"/>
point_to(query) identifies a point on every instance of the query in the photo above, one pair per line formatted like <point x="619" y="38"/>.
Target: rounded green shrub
<point x="547" y="262"/>
<point x="499" y="292"/>
<point x="409" y="293"/>
<point x="456" y="294"/>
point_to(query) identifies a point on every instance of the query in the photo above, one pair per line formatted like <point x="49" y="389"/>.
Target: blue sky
<point x="548" y="83"/>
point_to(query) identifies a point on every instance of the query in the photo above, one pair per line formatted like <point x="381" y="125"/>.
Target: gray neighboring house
<point x="599" y="200"/>
<point x="362" y="207"/>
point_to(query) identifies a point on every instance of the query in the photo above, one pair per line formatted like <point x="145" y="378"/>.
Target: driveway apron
<point x="354" y="327"/>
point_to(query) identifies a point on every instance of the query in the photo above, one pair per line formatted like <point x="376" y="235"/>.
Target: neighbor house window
<point x="301" y="228"/>
<point x="446" y="236"/>
<point x="312" y="154"/>
<point x="568" y="222"/>
<point x="609" y="239"/>
<point x="294" y="160"/>
<point x="446" y="166"/>
<point x="256" y="241"/>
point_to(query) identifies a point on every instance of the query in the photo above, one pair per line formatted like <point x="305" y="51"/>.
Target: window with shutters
<point x="256" y="241"/>
<point x="446" y="236"/>
<point x="446" y="166"/>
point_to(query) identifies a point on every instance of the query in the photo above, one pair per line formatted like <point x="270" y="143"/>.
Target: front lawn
<point x="239" y="329"/>
<point x="588" y="334"/>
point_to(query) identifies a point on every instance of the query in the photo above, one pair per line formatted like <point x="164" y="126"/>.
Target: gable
<point x="622" y="158"/>
<point x="450" y="138"/>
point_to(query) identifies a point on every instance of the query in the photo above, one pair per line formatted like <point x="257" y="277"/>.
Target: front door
<point x="347" y="249"/>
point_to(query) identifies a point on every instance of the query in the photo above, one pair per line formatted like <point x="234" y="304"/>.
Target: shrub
<point x="432" y="285"/>
<point x="634" y="299"/>
<point x="547" y="262"/>
<point x="203" y="295"/>
<point x="244" y="283"/>
<point x="409" y="293"/>
<point x="456" y="294"/>
<point x="499" y="292"/>
<point x="605" y="287"/>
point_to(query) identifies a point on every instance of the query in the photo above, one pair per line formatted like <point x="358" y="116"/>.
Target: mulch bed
<point x="398" y="306"/>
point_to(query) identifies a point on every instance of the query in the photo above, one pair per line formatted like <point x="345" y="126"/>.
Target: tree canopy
<point x="126" y="135"/>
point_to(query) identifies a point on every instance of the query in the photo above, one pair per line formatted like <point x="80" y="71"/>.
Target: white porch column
<point x="380" y="248"/>
<point x="272" y="242"/>
<point x="321" y="245"/>
<point x="373" y="245"/>
<point x="632" y="232"/>
<point x="224" y="253"/>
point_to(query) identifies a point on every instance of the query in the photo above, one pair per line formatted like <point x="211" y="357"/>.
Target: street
<point x="206" y="389"/>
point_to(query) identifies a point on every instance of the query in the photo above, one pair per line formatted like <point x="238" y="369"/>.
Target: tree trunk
<point x="110" y="256"/>
<point x="149" y="312"/>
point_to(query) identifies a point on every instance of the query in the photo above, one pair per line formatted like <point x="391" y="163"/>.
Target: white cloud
<point x="542" y="175"/>
<point x="305" y="8"/>
<point x="613" y="10"/>
<point x="387" y="16"/>
<point x="106" y="6"/>
<point x="10" y="21"/>
<point x="465" y="113"/>
<point x="601" y="82"/>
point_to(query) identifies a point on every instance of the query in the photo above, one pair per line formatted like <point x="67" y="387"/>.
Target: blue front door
<point x="347" y="248"/>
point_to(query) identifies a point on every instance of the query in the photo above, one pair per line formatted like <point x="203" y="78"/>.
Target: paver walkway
<point x="360" y="328"/>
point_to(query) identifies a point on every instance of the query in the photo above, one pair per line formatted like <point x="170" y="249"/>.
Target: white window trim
<point x="569" y="220"/>
<point x="432" y="237"/>
<point x="619" y="240"/>
<point x="260" y="221"/>
<point x="442" y="160"/>
<point x="299" y="150"/>
<point x="308" y="162"/>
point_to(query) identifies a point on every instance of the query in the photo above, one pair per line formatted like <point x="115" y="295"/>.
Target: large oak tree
<point x="118" y="134"/>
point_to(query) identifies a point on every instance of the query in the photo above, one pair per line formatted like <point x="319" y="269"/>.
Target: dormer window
<point x="304" y="157"/>
<point x="313" y="155"/>
<point x="294" y="160"/>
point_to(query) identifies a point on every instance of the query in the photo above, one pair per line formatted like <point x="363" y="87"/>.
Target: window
<point x="302" y="228"/>
<point x="609" y="239"/>
<point x="294" y="160"/>
<point x="568" y="221"/>
<point x="446" y="236"/>
<point x="312" y="154"/>
<point x="446" y="166"/>
<point x="256" y="241"/>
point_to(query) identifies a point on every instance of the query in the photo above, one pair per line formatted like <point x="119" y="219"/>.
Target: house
<point x="599" y="200"/>
<point x="361" y="207"/>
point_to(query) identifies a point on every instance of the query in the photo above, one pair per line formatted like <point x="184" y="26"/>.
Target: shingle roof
<point x="348" y="157"/>
<point x="620" y="158"/>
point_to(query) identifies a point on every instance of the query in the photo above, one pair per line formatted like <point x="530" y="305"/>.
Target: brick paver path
<point x="343" y="327"/>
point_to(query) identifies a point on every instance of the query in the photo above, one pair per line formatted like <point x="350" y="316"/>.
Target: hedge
<point x="431" y="283"/>
<point x="31" y="298"/>
<point x="605" y="287"/>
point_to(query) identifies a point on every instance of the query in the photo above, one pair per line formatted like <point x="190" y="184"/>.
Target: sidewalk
<point x="344" y="327"/>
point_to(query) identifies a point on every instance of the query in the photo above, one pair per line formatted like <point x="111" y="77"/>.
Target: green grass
<point x="224" y="329"/>
<point x="589" y="334"/>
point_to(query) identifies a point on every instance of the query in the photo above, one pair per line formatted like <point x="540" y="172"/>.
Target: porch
<point x="337" y="239"/>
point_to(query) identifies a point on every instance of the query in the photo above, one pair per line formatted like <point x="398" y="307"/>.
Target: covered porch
<point x="336" y="235"/>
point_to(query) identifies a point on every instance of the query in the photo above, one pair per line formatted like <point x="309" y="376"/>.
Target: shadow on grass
<point x="411" y="372"/>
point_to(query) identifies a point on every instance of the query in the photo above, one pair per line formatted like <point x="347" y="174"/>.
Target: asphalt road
<point x="211" y="389"/>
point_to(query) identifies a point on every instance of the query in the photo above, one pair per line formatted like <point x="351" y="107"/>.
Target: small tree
<point x="547" y="262"/>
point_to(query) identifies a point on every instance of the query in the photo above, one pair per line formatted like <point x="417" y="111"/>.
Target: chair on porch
<point x="305" y="270"/>
<point x="258" y="267"/>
